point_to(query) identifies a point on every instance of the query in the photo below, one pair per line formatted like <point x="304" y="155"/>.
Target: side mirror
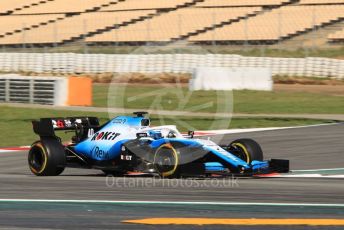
<point x="145" y="122"/>
<point x="191" y="133"/>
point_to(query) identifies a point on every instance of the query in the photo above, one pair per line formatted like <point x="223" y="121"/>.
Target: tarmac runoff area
<point x="313" y="198"/>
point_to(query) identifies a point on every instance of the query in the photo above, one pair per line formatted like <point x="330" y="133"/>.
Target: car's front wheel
<point x="247" y="150"/>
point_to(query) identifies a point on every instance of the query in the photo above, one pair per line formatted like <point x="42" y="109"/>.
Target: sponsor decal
<point x="64" y="123"/>
<point x="107" y="136"/>
<point x="141" y="135"/>
<point x="58" y="124"/>
<point x="126" y="157"/>
<point x="98" y="153"/>
<point x="90" y="132"/>
<point x="67" y="123"/>
<point x="119" y="121"/>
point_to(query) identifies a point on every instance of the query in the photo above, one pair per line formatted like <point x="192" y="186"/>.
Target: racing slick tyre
<point x="247" y="149"/>
<point x="166" y="160"/>
<point x="47" y="157"/>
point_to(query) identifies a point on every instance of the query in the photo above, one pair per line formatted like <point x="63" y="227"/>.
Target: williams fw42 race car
<point x="127" y="145"/>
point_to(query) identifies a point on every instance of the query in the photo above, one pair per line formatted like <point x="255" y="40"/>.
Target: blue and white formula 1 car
<point x="127" y="145"/>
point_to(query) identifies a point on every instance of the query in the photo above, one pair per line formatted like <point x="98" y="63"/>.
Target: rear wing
<point x="46" y="127"/>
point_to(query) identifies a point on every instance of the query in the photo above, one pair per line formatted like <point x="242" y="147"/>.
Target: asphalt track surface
<point x="307" y="148"/>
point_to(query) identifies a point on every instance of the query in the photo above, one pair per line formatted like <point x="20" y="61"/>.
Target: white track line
<point x="308" y="176"/>
<point x="317" y="170"/>
<point x="234" y="131"/>
<point x="172" y="202"/>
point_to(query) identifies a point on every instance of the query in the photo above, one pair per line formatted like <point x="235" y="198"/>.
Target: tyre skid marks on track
<point x="198" y="134"/>
<point x="314" y="173"/>
<point x="309" y="173"/>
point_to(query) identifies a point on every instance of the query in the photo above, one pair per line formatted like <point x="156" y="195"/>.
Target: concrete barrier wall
<point x="217" y="78"/>
<point x="69" y="63"/>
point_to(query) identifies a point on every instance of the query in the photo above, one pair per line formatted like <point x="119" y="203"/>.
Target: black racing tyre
<point x="47" y="157"/>
<point x="166" y="161"/>
<point x="247" y="149"/>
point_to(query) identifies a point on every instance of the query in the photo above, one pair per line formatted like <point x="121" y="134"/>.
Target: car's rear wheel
<point x="47" y="158"/>
<point x="166" y="160"/>
<point x="247" y="150"/>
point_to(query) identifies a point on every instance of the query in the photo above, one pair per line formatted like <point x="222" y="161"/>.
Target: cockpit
<point x="169" y="131"/>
